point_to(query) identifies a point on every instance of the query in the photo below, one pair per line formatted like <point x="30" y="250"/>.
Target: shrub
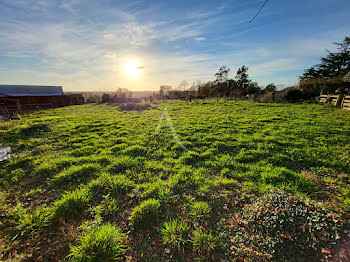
<point x="203" y="242"/>
<point x="145" y="214"/>
<point x="100" y="243"/>
<point x="311" y="88"/>
<point x="175" y="233"/>
<point x="199" y="209"/>
<point x="106" y="98"/>
<point x="134" y="106"/>
<point x="293" y="95"/>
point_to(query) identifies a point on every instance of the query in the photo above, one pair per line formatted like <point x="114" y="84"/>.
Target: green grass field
<point x="93" y="183"/>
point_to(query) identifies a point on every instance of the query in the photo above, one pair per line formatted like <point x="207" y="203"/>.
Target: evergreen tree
<point x="335" y="64"/>
<point x="243" y="78"/>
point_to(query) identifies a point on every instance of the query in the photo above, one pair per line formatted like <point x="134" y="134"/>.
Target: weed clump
<point x="83" y="151"/>
<point x="199" y="209"/>
<point x="175" y="233"/>
<point x="116" y="149"/>
<point x="203" y="243"/>
<point x="145" y="214"/>
<point x="107" y="209"/>
<point x="286" y="227"/>
<point x="28" y="222"/>
<point x="134" y="107"/>
<point x="113" y="184"/>
<point x="34" y="130"/>
<point x="49" y="168"/>
<point x="17" y="174"/>
<point x="71" y="205"/>
<point x="100" y="243"/>
<point x="157" y="189"/>
<point x="75" y="173"/>
<point x="190" y="158"/>
<point x="123" y="163"/>
<point x="135" y="150"/>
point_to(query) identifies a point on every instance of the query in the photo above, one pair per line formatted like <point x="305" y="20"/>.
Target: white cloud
<point x="108" y="36"/>
<point x="91" y="54"/>
<point x="200" y="38"/>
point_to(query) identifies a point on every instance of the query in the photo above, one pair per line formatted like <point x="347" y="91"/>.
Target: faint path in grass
<point x="171" y="126"/>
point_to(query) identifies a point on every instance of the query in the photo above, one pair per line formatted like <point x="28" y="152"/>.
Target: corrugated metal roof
<point x="30" y="90"/>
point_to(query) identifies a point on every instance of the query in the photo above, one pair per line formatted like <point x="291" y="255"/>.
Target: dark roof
<point x="30" y="90"/>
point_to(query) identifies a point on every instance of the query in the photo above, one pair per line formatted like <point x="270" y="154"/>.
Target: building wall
<point x="20" y="104"/>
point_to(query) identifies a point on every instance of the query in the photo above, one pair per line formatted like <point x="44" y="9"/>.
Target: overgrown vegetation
<point x="260" y="182"/>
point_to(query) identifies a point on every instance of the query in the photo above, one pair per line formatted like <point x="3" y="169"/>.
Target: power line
<point x="261" y="8"/>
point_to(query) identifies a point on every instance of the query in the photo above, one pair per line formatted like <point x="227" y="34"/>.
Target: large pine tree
<point x="335" y="64"/>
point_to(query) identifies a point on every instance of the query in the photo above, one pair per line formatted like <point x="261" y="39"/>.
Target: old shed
<point x="22" y="98"/>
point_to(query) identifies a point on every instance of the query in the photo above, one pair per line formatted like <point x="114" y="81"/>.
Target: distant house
<point x="21" y="98"/>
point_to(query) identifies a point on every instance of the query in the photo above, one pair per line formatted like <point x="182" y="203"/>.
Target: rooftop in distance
<point x="30" y="90"/>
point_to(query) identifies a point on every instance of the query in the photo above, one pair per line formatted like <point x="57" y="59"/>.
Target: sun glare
<point x="132" y="68"/>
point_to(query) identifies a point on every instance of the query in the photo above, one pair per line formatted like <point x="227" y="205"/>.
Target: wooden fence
<point x="336" y="100"/>
<point x="10" y="105"/>
<point x="346" y="102"/>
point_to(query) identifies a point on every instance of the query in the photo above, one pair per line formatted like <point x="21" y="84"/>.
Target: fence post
<point x="19" y="107"/>
<point x="339" y="100"/>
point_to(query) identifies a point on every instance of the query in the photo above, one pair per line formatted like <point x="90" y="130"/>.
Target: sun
<point x="132" y="68"/>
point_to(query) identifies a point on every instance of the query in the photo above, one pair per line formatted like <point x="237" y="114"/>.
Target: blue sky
<point x="83" y="44"/>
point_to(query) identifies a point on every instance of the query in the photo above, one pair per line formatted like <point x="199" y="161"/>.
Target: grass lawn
<point x="93" y="183"/>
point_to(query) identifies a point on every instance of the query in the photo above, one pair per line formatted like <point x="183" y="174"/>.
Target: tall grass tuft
<point x="145" y="214"/>
<point x="71" y="205"/>
<point x="100" y="243"/>
<point x="123" y="163"/>
<point x="113" y="184"/>
<point x="199" y="209"/>
<point x="75" y="174"/>
<point x="203" y="243"/>
<point x="175" y="233"/>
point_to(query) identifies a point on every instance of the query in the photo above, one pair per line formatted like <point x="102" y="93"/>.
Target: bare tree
<point x="183" y="85"/>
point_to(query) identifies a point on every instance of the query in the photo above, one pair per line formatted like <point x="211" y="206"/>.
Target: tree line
<point x="330" y="76"/>
<point x="222" y="86"/>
